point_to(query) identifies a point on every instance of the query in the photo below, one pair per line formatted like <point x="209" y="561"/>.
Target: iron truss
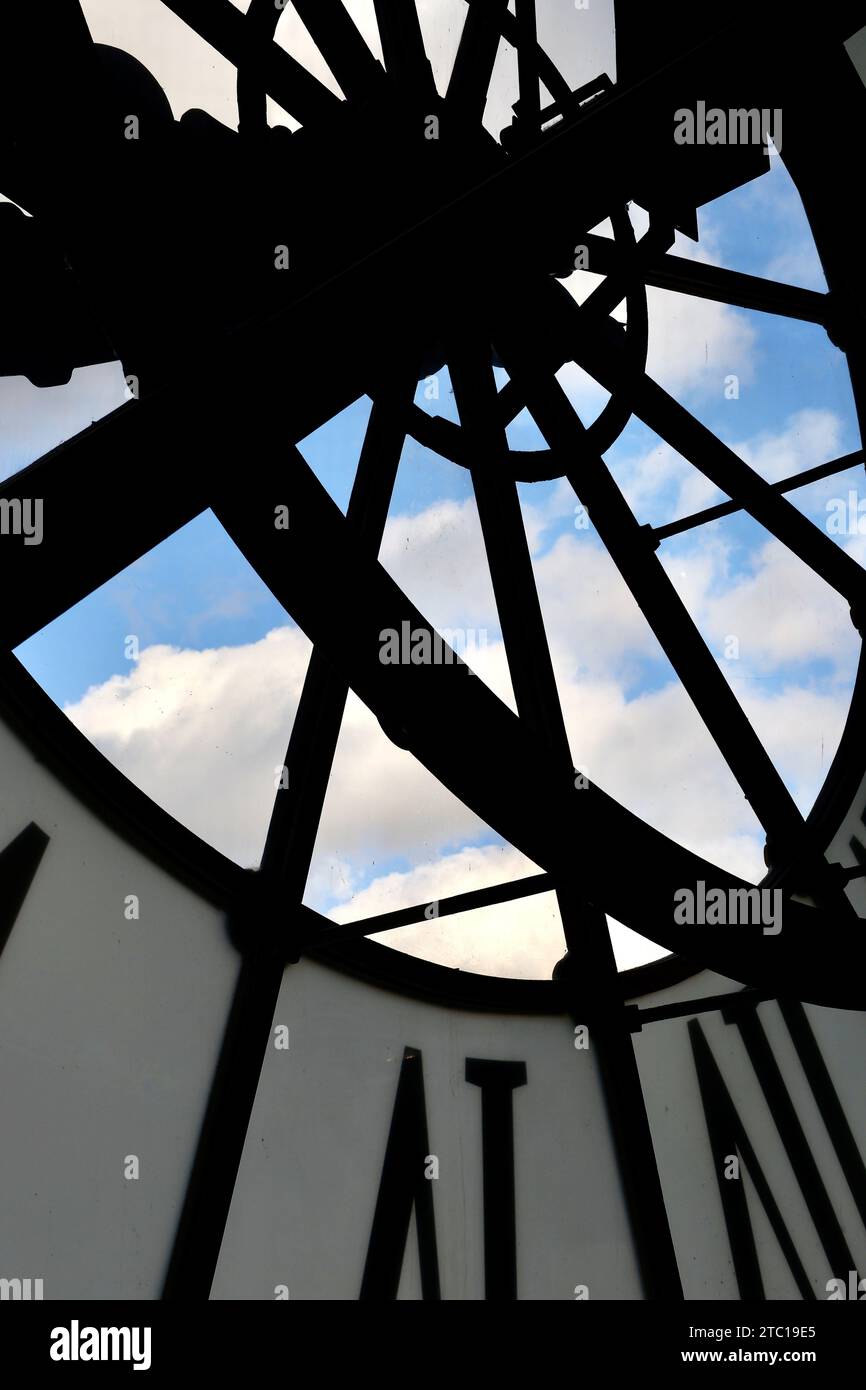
<point x="408" y="253"/>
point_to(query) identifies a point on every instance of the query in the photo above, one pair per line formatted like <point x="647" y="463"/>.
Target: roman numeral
<point x="403" y="1186"/>
<point x="727" y="1135"/>
<point x="498" y="1080"/>
<point x="18" y="864"/>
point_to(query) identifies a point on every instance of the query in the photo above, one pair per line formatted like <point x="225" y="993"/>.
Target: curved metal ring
<point x="446" y="438"/>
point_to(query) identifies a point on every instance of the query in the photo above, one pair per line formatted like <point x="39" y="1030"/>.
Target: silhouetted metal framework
<point x="416" y="240"/>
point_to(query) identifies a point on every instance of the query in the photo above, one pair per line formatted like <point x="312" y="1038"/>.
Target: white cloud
<point x="695" y="343"/>
<point x="383" y="803"/>
<point x="809" y="437"/>
<point x="782" y="613"/>
<point x="654" y="755"/>
<point x="661" y="485"/>
<point x="527" y="935"/>
<point x="592" y="618"/>
<point x="205" y="732"/>
<point x="438" y="558"/>
<point x="798" y="264"/>
<point x="202" y="732"/>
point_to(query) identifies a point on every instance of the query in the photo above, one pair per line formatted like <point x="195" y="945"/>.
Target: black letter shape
<point x="727" y="1134"/>
<point x="18" y="864"/>
<point x="403" y="1186"/>
<point x="497" y="1081"/>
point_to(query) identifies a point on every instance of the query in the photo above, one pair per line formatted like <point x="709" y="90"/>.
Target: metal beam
<point x="592" y="972"/>
<point x="457" y="728"/>
<point x="469" y="83"/>
<point x="406" y="61"/>
<point x="527" y="69"/>
<point x="632" y="550"/>
<point x="669" y="272"/>
<point x="797" y="480"/>
<point x="513" y="891"/>
<point x="343" y="48"/>
<point x="225" y="28"/>
<point x="600" y="354"/>
<point x="275" y="900"/>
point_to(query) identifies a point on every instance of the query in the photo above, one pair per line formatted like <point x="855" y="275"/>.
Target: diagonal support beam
<point x="669" y="272"/>
<point x="327" y="935"/>
<point x="225" y="28"/>
<point x="600" y="354"/>
<point x="298" y="807"/>
<point x="476" y="56"/>
<point x="91" y="530"/>
<point x="406" y="61"/>
<point x="343" y="47"/>
<point x="798" y="480"/>
<point x="527" y="70"/>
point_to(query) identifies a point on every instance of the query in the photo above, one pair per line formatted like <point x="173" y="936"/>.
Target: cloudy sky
<point x="201" y="719"/>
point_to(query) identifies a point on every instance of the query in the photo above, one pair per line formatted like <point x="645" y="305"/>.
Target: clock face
<point x="400" y="241"/>
<point x="470" y="1146"/>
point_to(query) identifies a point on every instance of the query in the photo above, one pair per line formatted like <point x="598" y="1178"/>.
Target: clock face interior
<point x="705" y="687"/>
<point x="431" y="497"/>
